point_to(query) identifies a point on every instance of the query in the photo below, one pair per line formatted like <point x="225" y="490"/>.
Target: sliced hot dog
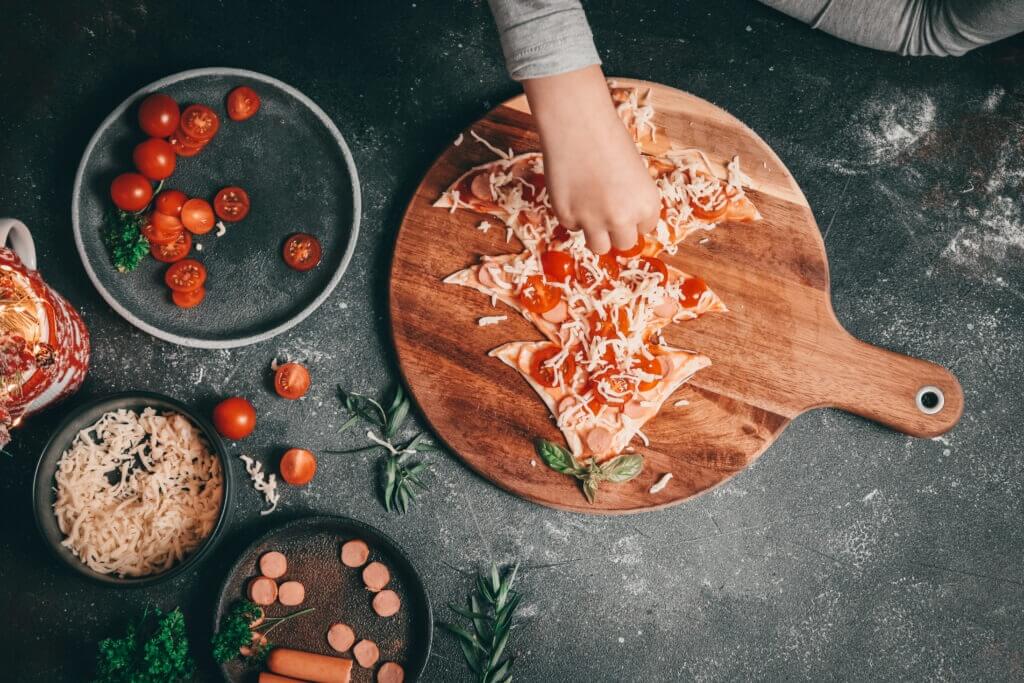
<point x="375" y="576"/>
<point x="389" y="672"/>
<point x="355" y="553"/>
<point x="634" y="410"/>
<point x="386" y="603"/>
<point x="480" y="186"/>
<point x="273" y="565"/>
<point x="307" y="666"/>
<point x="366" y="653"/>
<point x="291" y="593"/>
<point x="340" y="636"/>
<point x="666" y="309"/>
<point x="599" y="440"/>
<point x="267" y="677"/>
<point x="558" y="314"/>
<point x="263" y="591"/>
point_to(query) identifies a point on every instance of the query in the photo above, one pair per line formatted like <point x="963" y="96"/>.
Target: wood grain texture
<point x="779" y="351"/>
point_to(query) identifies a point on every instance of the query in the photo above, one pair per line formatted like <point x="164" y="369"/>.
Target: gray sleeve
<point x="543" y="37"/>
<point x="940" y="28"/>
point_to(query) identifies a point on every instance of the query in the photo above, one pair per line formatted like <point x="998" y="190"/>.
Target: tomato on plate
<point x="189" y="299"/>
<point x="537" y="296"/>
<point x="693" y="289"/>
<point x="185" y="276"/>
<point x="169" y="202"/>
<point x="182" y="147"/>
<point x="131" y="192"/>
<point x="298" y="466"/>
<point x="635" y="250"/>
<point x="165" y="224"/>
<point x="199" y="122"/>
<point x="154" y="158"/>
<point x="173" y="251"/>
<point x="713" y="207"/>
<point x="653" y="264"/>
<point x="545" y="375"/>
<point x="302" y="252"/>
<point x="156" y="236"/>
<point x="243" y="103"/>
<point x="650" y="366"/>
<point x="291" y="381"/>
<point x="159" y="115"/>
<point x="605" y="262"/>
<point x="558" y="265"/>
<point x="231" y="204"/>
<point x="234" y="418"/>
<point x="197" y="216"/>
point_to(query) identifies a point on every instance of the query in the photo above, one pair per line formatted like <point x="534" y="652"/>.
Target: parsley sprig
<point x="619" y="469"/>
<point x="238" y="626"/>
<point x="123" y="237"/>
<point x="152" y="650"/>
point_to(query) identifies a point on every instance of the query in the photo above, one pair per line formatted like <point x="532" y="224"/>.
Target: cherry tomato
<point x="169" y="202"/>
<point x="154" y="158"/>
<point x="693" y="289"/>
<point x="651" y="366"/>
<point x="231" y="204"/>
<point x="131" y="192"/>
<point x="182" y="147"/>
<point x="234" y="418"/>
<point x="199" y="122"/>
<point x="546" y="375"/>
<point x="165" y="224"/>
<point x="291" y="381"/>
<point x="537" y="296"/>
<point x="610" y="326"/>
<point x="654" y="264"/>
<point x="618" y="386"/>
<point x="302" y="251"/>
<point x="189" y="299"/>
<point x="185" y="276"/>
<point x="558" y="265"/>
<point x="635" y="250"/>
<point x="243" y="103"/>
<point x="298" y="466"/>
<point x="710" y="208"/>
<point x="605" y="262"/>
<point x="173" y="251"/>
<point x="158" y="115"/>
<point x="155" y="236"/>
<point x="197" y="216"/>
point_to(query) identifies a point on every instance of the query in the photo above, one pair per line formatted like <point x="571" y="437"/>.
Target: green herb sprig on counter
<point x="401" y="481"/>
<point x="152" y="650"/>
<point x="123" y="237"/>
<point x="491" y="612"/>
<point x="619" y="469"/>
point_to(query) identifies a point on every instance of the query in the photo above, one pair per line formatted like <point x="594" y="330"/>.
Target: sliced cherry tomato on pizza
<point x="712" y="206"/>
<point x="154" y="158"/>
<point x="131" y="191"/>
<point x="291" y="381"/>
<point x="174" y="251"/>
<point x="197" y="216"/>
<point x="693" y="289"/>
<point x="609" y="327"/>
<point x="544" y="374"/>
<point x="537" y="296"/>
<point x="231" y="204"/>
<point x="158" y="115"/>
<point x="558" y="265"/>
<point x="155" y="236"/>
<point x="185" y="276"/>
<point x="243" y="103"/>
<point x="649" y="366"/>
<point x="560" y="234"/>
<point x="169" y="202"/>
<point x="618" y="388"/>
<point x="654" y="264"/>
<point x="188" y="299"/>
<point x="605" y="262"/>
<point x="635" y="250"/>
<point x="302" y="252"/>
<point x="199" y="122"/>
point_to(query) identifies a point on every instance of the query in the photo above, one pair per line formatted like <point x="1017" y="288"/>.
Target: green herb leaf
<point x="155" y="649"/>
<point x="124" y="239"/>
<point x="622" y="468"/>
<point x="590" y="485"/>
<point x="557" y="458"/>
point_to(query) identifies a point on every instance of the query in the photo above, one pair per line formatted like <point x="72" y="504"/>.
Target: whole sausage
<point x="307" y="666"/>
<point x="267" y="677"/>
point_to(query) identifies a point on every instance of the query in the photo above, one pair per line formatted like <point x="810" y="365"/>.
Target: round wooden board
<point x="778" y="352"/>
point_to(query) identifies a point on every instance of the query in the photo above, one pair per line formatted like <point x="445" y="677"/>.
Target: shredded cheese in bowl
<point x="137" y="492"/>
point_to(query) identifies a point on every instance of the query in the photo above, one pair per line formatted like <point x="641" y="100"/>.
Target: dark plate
<point x="313" y="548"/>
<point x="300" y="176"/>
<point x="44" y="494"/>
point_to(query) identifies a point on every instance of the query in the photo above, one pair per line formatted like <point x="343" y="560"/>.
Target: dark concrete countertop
<point x="847" y="551"/>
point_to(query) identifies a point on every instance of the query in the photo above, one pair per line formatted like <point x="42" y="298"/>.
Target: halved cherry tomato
<point x="169" y="202"/>
<point x="654" y="264"/>
<point x="131" y="191"/>
<point x="155" y="236"/>
<point x="291" y="381"/>
<point x="189" y="299"/>
<point x="714" y="207"/>
<point x="651" y="366"/>
<point x="609" y="327"/>
<point x="165" y="224"/>
<point x="185" y="276"/>
<point x="182" y="148"/>
<point x="558" y="265"/>
<point x="234" y="418"/>
<point x="635" y="250"/>
<point x="243" y="103"/>
<point x="199" y="122"/>
<point x="173" y="251"/>
<point x="537" y="296"/>
<point x="302" y="252"/>
<point x="614" y="384"/>
<point x="546" y="375"/>
<point x="605" y="262"/>
<point x="158" y="115"/>
<point x="197" y="216"/>
<point x="693" y="289"/>
<point x="298" y="466"/>
<point x="231" y="204"/>
<point x="154" y="158"/>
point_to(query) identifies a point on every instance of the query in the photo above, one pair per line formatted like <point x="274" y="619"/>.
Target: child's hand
<point x="594" y="172"/>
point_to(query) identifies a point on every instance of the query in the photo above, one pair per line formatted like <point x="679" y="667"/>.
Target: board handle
<point x="910" y="395"/>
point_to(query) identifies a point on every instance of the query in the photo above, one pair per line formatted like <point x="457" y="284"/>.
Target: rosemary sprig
<point x="491" y="610"/>
<point x="619" y="469"/>
<point x="401" y="480"/>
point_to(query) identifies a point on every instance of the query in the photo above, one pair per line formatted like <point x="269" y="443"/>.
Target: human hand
<point x="593" y="171"/>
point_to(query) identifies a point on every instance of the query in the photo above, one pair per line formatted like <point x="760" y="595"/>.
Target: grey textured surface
<point x="846" y="552"/>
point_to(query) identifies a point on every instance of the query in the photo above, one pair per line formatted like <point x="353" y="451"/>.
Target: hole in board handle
<point x="930" y="400"/>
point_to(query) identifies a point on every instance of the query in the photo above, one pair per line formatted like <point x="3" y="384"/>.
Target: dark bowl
<point x="312" y="546"/>
<point x="44" y="494"/>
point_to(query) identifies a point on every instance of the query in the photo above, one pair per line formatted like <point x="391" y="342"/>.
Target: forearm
<point x="543" y="37"/>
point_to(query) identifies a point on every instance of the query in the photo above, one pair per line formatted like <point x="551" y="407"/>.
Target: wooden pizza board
<point x="779" y="352"/>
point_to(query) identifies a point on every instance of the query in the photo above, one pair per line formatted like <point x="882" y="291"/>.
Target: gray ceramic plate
<point x="300" y="176"/>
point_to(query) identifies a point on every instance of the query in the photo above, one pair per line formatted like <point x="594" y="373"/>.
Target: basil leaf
<point x="590" y="485"/>
<point x="556" y="457"/>
<point x="623" y="468"/>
